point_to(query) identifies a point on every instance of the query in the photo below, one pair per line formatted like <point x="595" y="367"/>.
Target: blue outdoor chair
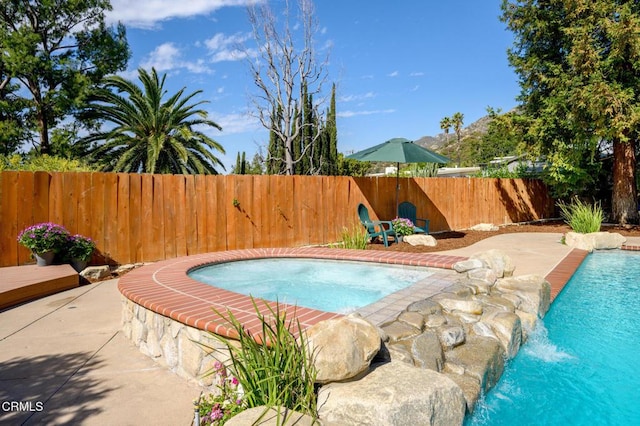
<point x="376" y="228"/>
<point x="408" y="211"/>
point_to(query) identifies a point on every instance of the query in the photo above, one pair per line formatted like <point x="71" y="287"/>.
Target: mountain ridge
<point x="480" y="126"/>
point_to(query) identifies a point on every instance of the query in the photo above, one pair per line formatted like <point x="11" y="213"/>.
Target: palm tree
<point x="456" y="123"/>
<point x="151" y="135"/>
<point x="445" y="124"/>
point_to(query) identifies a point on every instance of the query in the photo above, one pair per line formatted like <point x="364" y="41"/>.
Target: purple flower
<point x="216" y="413"/>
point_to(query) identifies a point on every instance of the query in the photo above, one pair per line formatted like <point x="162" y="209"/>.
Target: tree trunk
<point x="288" y="157"/>
<point x="44" y="134"/>
<point x="624" y="201"/>
<point x="41" y="116"/>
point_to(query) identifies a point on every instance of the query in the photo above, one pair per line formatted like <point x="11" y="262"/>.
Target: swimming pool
<point x="581" y="365"/>
<point x="327" y="285"/>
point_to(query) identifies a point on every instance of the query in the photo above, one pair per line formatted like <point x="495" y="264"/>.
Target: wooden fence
<point x="142" y="217"/>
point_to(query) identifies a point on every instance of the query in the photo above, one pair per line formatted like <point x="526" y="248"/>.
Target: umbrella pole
<point x="397" y="186"/>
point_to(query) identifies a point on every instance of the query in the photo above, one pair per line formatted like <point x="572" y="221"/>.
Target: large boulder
<point x="420" y="240"/>
<point x="425" y="307"/>
<point x="533" y="291"/>
<point x="393" y="394"/>
<point x="426" y="351"/>
<point x="95" y="273"/>
<point x="399" y="330"/>
<point x="484" y="227"/>
<point x="270" y="416"/>
<point x="451" y="304"/>
<point x="594" y="240"/>
<point x="507" y="328"/>
<point x="468" y="265"/>
<point x="343" y="347"/>
<point x="498" y="261"/>
<point x="481" y="358"/>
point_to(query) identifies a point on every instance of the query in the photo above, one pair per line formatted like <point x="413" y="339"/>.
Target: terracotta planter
<point x="44" y="259"/>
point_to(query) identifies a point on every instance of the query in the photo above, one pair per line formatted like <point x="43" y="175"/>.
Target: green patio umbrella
<point x="399" y="150"/>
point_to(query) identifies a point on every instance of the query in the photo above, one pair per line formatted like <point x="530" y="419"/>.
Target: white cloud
<point x="236" y="122"/>
<point x="416" y="74"/>
<point x="347" y="114"/>
<point x="167" y="57"/>
<point x="163" y="58"/>
<point x="221" y="42"/>
<point x="148" y="13"/>
<point x="228" y="48"/>
<point x="351" y="98"/>
<point x="393" y="74"/>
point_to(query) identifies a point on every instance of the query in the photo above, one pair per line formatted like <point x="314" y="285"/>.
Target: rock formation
<point x="438" y="355"/>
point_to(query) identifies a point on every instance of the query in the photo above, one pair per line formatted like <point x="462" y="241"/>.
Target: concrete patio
<point x="64" y="358"/>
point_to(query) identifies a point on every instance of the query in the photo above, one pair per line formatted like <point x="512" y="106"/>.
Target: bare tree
<point x="284" y="68"/>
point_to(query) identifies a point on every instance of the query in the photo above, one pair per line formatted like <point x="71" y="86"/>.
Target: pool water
<point x="330" y="286"/>
<point x="581" y="366"/>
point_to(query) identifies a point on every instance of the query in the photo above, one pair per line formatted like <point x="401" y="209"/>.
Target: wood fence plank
<point x="57" y="198"/>
<point x="123" y="225"/>
<point x="168" y="194"/>
<point x="71" y="191"/>
<point x="136" y="223"/>
<point x="157" y="250"/>
<point x="98" y="212"/>
<point x="179" y="203"/>
<point x="9" y="220"/>
<point x="200" y="200"/>
<point x="84" y="202"/>
<point x="25" y="188"/>
<point x="146" y="217"/>
<point x="41" y="197"/>
<point x="216" y="228"/>
<point x="191" y="215"/>
<point x="260" y="188"/>
<point x="235" y="232"/>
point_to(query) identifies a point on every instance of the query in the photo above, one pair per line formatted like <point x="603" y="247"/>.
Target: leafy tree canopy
<point x="55" y="50"/>
<point x="579" y="63"/>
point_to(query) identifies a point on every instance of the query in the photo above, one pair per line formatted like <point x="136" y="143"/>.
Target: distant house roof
<point x="457" y="171"/>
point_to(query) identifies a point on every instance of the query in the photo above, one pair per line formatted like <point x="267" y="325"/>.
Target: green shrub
<point x="44" y="162"/>
<point x="582" y="217"/>
<point x="276" y="370"/>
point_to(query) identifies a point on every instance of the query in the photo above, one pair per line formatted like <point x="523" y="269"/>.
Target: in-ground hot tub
<point x="165" y="311"/>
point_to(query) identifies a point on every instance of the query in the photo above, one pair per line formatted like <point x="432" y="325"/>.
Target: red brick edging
<point x="165" y="288"/>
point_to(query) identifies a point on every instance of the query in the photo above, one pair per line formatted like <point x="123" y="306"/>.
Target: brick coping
<point x="165" y="288"/>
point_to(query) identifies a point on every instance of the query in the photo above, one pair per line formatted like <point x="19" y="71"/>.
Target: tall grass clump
<point x="582" y="217"/>
<point x="275" y="369"/>
<point x="354" y="237"/>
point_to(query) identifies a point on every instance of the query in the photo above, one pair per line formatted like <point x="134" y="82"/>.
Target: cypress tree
<point x="331" y="132"/>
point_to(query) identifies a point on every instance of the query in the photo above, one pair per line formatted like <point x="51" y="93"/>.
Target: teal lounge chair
<point x="408" y="211"/>
<point x="376" y="228"/>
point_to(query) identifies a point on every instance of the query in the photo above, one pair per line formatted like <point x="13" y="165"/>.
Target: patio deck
<point x="24" y="283"/>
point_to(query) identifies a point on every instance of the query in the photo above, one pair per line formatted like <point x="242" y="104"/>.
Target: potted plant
<point x="402" y="226"/>
<point x="79" y="251"/>
<point x="44" y="240"/>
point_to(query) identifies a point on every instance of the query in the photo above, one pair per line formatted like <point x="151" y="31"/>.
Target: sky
<point x="398" y="68"/>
